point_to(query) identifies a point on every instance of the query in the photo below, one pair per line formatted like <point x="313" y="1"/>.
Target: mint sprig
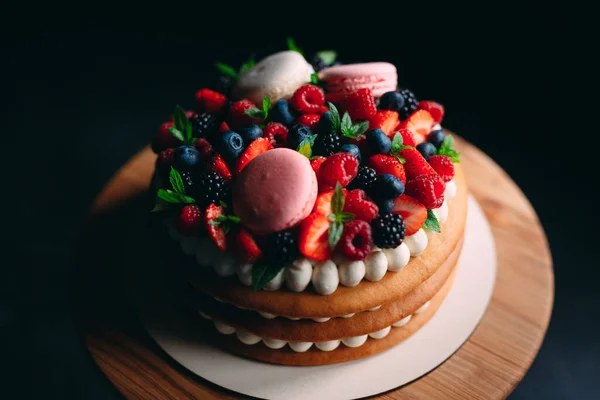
<point x="351" y="130"/>
<point x="314" y="79"/>
<point x="335" y="118"/>
<point x="225" y="222"/>
<point x="397" y="146"/>
<point x="291" y="45"/>
<point x="337" y="217"/>
<point x="248" y="65"/>
<point x="305" y="147"/>
<point x="260" y="114"/>
<point x="182" y="126"/>
<point x="432" y="222"/>
<point x="262" y="274"/>
<point x="446" y="149"/>
<point x="328" y="56"/>
<point x="231" y="72"/>
<point x="167" y="197"/>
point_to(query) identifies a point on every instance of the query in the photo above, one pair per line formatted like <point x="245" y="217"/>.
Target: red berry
<point x="443" y="166"/>
<point x="210" y="101"/>
<point x="204" y="147"/>
<point x="339" y="167"/>
<point x="360" y="104"/>
<point x="164" y="139"/>
<point x="218" y="164"/>
<point x="190" y="220"/>
<point x="427" y="189"/>
<point x="310" y="120"/>
<point x="356" y="242"/>
<point x="256" y="148"/>
<point x="323" y="202"/>
<point x="246" y="248"/>
<point x="419" y="123"/>
<point x="313" y="238"/>
<point x="386" y="120"/>
<point x="413" y="213"/>
<point x="216" y="233"/>
<point x="357" y="203"/>
<point x="316" y="164"/>
<point x="383" y="164"/>
<point x="435" y="109"/>
<point x="308" y="99"/>
<point x="224" y="127"/>
<point x="407" y="137"/>
<point x="415" y="164"/>
<point x="165" y="158"/>
<point x="237" y="114"/>
<point x="276" y="133"/>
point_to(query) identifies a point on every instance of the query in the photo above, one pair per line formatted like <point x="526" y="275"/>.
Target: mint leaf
<point x="225" y="222"/>
<point x="177" y="133"/>
<point x="432" y="222"/>
<point x="176" y="181"/>
<point x="346" y="123"/>
<point x="328" y="56"/>
<point x="447" y="143"/>
<point x="335" y="118"/>
<point x="345" y="217"/>
<point x="305" y="147"/>
<point x="248" y="65"/>
<point x="255" y="113"/>
<point x="227" y="70"/>
<point x="182" y="124"/>
<point x="446" y="149"/>
<point x="335" y="233"/>
<point x="396" y="143"/>
<point x="314" y="78"/>
<point x="172" y="197"/>
<point x="263" y="274"/>
<point x="160" y="205"/>
<point x="358" y="129"/>
<point x="291" y="45"/>
<point x="338" y="200"/>
<point x="266" y="104"/>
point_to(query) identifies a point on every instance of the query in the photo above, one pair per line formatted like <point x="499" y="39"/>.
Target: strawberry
<point x="356" y="203"/>
<point x="415" y="164"/>
<point x="339" y="167"/>
<point x="246" y="248"/>
<point x="413" y="213"/>
<point x="276" y="133"/>
<point x="427" y="189"/>
<point x="323" y="202"/>
<point x="316" y="164"/>
<point x="386" y="120"/>
<point x="237" y="114"/>
<point x="435" y="109"/>
<point x="383" y="164"/>
<point x="218" y="164"/>
<point x="204" y="148"/>
<point x="190" y="220"/>
<point x="407" y="138"/>
<point x="308" y="99"/>
<point x="310" y="120"/>
<point x="356" y="242"/>
<point x="224" y="127"/>
<point x="443" y="166"/>
<point x="188" y="114"/>
<point x="313" y="239"/>
<point x="216" y="233"/>
<point x="210" y="101"/>
<point x="256" y="148"/>
<point x="360" y="104"/>
<point x="164" y="139"/>
<point x="419" y="123"/>
<point x="165" y="158"/>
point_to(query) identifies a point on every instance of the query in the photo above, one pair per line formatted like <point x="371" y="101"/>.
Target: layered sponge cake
<point x="325" y="226"/>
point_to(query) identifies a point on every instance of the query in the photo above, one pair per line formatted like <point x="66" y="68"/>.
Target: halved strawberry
<point x="415" y="164"/>
<point x="218" y="164"/>
<point x="435" y="109"/>
<point x="413" y="213"/>
<point x="383" y="164"/>
<point x="246" y="248"/>
<point x="419" y="123"/>
<point x="256" y="148"/>
<point x="314" y="237"/>
<point x="323" y="202"/>
<point x="360" y="104"/>
<point x="407" y="137"/>
<point x="216" y="233"/>
<point x="443" y="166"/>
<point x="386" y="120"/>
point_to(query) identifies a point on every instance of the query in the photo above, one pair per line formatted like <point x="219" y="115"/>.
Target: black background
<point x="80" y="95"/>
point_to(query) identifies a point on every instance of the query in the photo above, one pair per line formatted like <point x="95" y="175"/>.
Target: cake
<point x="322" y="208"/>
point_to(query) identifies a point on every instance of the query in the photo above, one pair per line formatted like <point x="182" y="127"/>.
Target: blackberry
<point x="365" y="178"/>
<point x="326" y="144"/>
<point x="212" y="188"/>
<point x="410" y="103"/>
<point x="188" y="182"/>
<point x="204" y="125"/>
<point x="283" y="248"/>
<point x="388" y="231"/>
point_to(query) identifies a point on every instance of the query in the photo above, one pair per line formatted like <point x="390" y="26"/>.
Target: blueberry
<point x="385" y="205"/>
<point x="426" y="149"/>
<point x="378" y="141"/>
<point x="324" y="125"/>
<point x="282" y="113"/>
<point x="251" y="133"/>
<point x="297" y="134"/>
<point x="391" y="101"/>
<point x="436" y="137"/>
<point x="388" y="186"/>
<point x="186" y="158"/>
<point x="231" y="145"/>
<point x="352" y="149"/>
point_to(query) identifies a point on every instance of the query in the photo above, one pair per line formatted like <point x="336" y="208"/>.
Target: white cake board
<point x="429" y="347"/>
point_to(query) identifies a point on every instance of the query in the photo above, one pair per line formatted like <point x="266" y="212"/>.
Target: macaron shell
<point x="275" y="191"/>
<point x="379" y="77"/>
<point x="276" y="76"/>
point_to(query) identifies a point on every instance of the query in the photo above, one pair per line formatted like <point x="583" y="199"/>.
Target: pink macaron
<point x="380" y="77"/>
<point x="275" y="191"/>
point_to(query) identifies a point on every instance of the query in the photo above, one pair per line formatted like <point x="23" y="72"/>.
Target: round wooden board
<point x="488" y="366"/>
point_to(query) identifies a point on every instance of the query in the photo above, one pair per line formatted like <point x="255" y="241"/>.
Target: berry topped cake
<point x="322" y="207"/>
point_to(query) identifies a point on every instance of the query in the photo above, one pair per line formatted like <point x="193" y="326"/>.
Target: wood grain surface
<point x="488" y="366"/>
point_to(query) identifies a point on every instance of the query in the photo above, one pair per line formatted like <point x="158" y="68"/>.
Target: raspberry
<point x="357" y="204"/>
<point x="277" y="133"/>
<point x="237" y="116"/>
<point x="340" y="167"/>
<point x="209" y="101"/>
<point x="308" y="99"/>
<point x="360" y="104"/>
<point x="190" y="220"/>
<point x="443" y="166"/>
<point x="310" y="120"/>
<point x="388" y="231"/>
<point x="428" y="189"/>
<point x="356" y="242"/>
<point x="203" y="147"/>
<point x="164" y="139"/>
<point x="165" y="158"/>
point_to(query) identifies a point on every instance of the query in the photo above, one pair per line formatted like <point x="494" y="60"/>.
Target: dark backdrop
<point x="79" y="98"/>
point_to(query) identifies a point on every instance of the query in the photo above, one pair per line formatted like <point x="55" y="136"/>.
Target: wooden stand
<point x="488" y="366"/>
